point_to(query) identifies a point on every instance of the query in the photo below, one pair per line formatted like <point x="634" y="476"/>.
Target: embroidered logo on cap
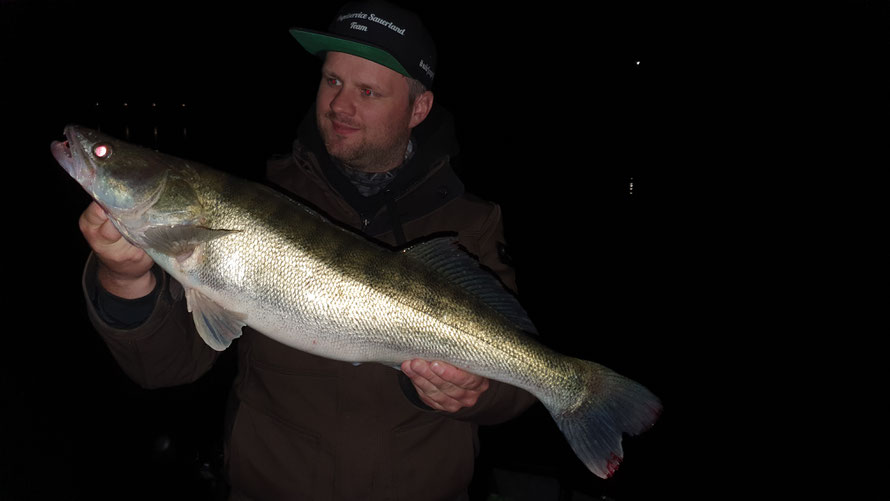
<point x="369" y="17"/>
<point x="427" y="69"/>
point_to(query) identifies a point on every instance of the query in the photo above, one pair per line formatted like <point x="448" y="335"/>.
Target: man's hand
<point x="443" y="386"/>
<point x="124" y="270"/>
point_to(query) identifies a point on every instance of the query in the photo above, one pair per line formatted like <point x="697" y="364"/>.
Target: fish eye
<point x="102" y="150"/>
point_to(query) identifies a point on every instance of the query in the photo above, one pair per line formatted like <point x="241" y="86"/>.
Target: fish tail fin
<point x="611" y="406"/>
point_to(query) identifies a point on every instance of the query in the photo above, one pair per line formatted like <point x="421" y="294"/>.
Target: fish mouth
<point x="61" y="150"/>
<point x="67" y="156"/>
<point x="65" y="148"/>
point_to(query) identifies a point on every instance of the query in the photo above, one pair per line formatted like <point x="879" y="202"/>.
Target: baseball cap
<point x="378" y="31"/>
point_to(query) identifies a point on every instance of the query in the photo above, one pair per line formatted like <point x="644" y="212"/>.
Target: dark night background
<point x="610" y="133"/>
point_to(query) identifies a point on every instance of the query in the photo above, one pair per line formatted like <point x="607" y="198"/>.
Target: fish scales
<point x="337" y="277"/>
<point x="327" y="281"/>
<point x="248" y="255"/>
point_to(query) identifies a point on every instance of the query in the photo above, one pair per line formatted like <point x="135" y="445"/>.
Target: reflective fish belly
<point x="247" y="255"/>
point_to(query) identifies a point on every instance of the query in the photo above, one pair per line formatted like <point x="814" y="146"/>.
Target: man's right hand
<point x="124" y="269"/>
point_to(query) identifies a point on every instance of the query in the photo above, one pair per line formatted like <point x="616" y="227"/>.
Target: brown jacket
<point x="312" y="428"/>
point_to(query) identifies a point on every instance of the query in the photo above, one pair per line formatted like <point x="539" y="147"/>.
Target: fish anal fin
<point x="217" y="326"/>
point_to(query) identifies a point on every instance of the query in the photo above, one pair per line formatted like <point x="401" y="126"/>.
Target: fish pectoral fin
<point x="180" y="241"/>
<point x="217" y="326"/>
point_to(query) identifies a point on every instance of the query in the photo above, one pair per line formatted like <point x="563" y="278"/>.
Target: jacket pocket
<point x="434" y="459"/>
<point x="300" y="391"/>
<point x="271" y="459"/>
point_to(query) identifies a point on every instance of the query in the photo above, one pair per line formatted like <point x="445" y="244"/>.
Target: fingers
<point x="94" y="215"/>
<point x="124" y="269"/>
<point x="96" y="226"/>
<point x="443" y="386"/>
<point x="104" y="238"/>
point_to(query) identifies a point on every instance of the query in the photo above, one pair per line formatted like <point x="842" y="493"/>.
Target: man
<point x="374" y="155"/>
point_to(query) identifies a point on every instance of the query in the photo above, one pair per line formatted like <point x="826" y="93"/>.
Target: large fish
<point x="247" y="255"/>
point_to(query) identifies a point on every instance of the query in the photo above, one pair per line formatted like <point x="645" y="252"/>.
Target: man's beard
<point x="365" y="156"/>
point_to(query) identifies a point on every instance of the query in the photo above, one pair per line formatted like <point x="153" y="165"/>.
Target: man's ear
<point x="422" y="106"/>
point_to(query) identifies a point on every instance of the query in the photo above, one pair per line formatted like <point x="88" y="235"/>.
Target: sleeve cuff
<point x="123" y="313"/>
<point x="411" y="393"/>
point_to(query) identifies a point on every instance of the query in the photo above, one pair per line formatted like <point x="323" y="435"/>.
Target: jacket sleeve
<point x="492" y="251"/>
<point x="165" y="349"/>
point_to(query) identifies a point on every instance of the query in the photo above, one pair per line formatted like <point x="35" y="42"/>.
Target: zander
<point x="248" y="255"/>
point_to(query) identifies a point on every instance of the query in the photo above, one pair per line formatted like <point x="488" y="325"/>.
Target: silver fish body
<point x="248" y="255"/>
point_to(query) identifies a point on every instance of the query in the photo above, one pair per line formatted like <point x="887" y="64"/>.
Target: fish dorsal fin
<point x="445" y="256"/>
<point x="179" y="241"/>
<point x="217" y="326"/>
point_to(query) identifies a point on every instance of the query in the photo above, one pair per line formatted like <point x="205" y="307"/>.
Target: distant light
<point x="638" y="63"/>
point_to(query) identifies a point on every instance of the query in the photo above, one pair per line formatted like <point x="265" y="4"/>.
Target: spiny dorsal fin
<point x="446" y="257"/>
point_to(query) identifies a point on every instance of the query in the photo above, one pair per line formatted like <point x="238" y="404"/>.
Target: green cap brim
<point x="317" y="43"/>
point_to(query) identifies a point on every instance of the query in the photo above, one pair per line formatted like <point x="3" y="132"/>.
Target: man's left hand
<point x="443" y="386"/>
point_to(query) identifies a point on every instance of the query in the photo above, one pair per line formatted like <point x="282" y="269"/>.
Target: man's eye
<point x="333" y="82"/>
<point x="367" y="93"/>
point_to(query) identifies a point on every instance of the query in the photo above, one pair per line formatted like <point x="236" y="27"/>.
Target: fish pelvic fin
<point x="217" y="326"/>
<point x="613" y="405"/>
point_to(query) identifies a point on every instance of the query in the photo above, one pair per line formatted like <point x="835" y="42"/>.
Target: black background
<point x="610" y="134"/>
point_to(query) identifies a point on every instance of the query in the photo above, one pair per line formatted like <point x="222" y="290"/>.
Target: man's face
<point x="363" y="112"/>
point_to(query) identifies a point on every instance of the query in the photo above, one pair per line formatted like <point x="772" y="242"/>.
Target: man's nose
<point x="342" y="103"/>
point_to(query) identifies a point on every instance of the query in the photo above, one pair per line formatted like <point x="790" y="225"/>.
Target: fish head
<point x="137" y="187"/>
